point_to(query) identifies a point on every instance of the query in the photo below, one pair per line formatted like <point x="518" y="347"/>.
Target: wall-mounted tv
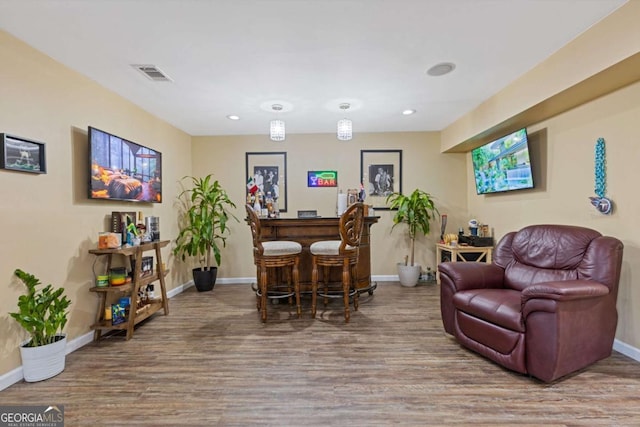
<point x="503" y="164"/>
<point x="123" y="170"/>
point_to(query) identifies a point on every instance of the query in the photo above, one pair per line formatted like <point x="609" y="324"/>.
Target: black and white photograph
<point x="268" y="172"/>
<point x="381" y="175"/>
<point x="380" y="180"/>
<point x="266" y="179"/>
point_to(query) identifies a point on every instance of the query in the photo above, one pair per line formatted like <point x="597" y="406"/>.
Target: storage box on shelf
<point x="140" y="279"/>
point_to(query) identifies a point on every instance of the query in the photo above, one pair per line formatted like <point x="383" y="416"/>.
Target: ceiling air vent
<point x="152" y="72"/>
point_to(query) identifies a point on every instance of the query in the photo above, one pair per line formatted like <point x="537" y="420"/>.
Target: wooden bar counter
<point x="308" y="230"/>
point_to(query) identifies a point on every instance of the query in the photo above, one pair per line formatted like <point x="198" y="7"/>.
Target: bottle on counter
<point x="256" y="205"/>
<point x="263" y="208"/>
<point x="268" y="201"/>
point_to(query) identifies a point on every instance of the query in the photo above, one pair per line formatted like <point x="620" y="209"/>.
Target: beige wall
<point x="442" y="175"/>
<point x="563" y="148"/>
<point x="47" y="222"/>
<point x="563" y="155"/>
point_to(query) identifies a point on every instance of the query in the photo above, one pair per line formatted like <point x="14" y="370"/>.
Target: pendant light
<point x="345" y="126"/>
<point x="276" y="127"/>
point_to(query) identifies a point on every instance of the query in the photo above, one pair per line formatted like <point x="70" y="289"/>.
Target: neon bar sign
<point x="322" y="178"/>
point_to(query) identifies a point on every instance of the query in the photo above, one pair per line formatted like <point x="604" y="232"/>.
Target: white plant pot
<point x="46" y="361"/>
<point x="409" y="274"/>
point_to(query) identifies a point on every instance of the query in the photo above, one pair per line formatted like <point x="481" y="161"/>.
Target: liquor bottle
<point x="269" y="204"/>
<point x="256" y="205"/>
<point x="263" y="208"/>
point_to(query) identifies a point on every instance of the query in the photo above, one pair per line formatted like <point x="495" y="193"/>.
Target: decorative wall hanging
<point x="22" y="154"/>
<point x="601" y="203"/>
<point x="268" y="171"/>
<point x="381" y="175"/>
<point x="322" y="178"/>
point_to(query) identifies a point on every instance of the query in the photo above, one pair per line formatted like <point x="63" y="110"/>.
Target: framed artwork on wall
<point x="381" y="175"/>
<point x="22" y="154"/>
<point x="269" y="173"/>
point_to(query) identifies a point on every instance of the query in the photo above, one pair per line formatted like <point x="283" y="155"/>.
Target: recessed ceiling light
<point x="233" y="117"/>
<point x="441" y="69"/>
<point x="408" y="112"/>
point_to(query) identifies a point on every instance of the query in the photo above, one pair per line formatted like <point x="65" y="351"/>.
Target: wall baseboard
<point x="627" y="350"/>
<point x="179" y="289"/>
<point x="16" y="375"/>
<point x="245" y="280"/>
<point x="11" y="378"/>
<point x="236" y="280"/>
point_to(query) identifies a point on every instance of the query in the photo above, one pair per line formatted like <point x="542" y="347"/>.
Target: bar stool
<point x="274" y="255"/>
<point x="339" y="253"/>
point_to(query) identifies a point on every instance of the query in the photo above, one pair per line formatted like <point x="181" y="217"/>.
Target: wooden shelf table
<point x="456" y="254"/>
<point x="109" y="293"/>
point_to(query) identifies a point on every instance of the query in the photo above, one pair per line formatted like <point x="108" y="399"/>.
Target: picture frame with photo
<point x="381" y="175"/>
<point x="22" y="154"/>
<point x="269" y="173"/>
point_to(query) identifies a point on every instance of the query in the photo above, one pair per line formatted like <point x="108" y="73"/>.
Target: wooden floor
<point x="212" y="363"/>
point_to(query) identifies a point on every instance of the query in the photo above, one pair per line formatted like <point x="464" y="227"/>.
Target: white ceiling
<point x="240" y="56"/>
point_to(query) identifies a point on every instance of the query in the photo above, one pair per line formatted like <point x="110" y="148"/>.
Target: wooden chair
<point x="274" y="255"/>
<point x="339" y="253"/>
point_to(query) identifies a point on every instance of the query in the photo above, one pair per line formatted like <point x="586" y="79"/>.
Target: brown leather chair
<point x="270" y="258"/>
<point x="341" y="253"/>
<point x="546" y="306"/>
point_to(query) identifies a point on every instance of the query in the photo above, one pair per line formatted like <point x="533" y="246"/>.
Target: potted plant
<point x="416" y="211"/>
<point x="204" y="227"/>
<point x="43" y="314"/>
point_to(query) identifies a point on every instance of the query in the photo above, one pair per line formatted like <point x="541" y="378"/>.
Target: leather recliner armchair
<point x="545" y="306"/>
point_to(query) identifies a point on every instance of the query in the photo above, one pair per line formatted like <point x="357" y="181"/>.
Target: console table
<point x="456" y="254"/>
<point x="308" y="230"/>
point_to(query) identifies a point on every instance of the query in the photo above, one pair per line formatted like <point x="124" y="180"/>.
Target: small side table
<point x="456" y="254"/>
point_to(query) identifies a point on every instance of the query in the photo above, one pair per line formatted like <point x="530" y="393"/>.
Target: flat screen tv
<point x="503" y="164"/>
<point x="123" y="170"/>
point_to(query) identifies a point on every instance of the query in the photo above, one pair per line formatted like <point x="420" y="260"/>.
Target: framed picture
<point x="21" y="154"/>
<point x="381" y="175"/>
<point x="269" y="173"/>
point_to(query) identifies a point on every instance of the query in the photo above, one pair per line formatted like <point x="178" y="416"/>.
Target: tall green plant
<point x="204" y="229"/>
<point x="42" y="313"/>
<point x="415" y="210"/>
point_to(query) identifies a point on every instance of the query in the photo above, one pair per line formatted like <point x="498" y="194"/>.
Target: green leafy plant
<point x="415" y="210"/>
<point x="204" y="224"/>
<point x="42" y="312"/>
